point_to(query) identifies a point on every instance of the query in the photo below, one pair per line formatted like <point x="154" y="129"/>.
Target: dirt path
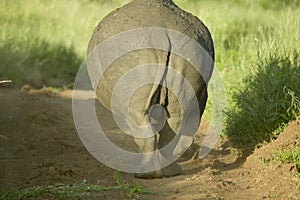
<point x="42" y="147"/>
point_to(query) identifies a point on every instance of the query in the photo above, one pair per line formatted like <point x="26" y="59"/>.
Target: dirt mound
<point x="39" y="146"/>
<point x="282" y="181"/>
<point x="287" y="140"/>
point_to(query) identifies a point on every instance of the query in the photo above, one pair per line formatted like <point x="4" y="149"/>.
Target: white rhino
<point x="162" y="17"/>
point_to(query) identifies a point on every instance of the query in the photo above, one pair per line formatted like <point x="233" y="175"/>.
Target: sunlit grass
<point x="44" y="42"/>
<point x="269" y="100"/>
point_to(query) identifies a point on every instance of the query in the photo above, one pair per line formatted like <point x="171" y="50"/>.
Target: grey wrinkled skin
<point x="152" y="13"/>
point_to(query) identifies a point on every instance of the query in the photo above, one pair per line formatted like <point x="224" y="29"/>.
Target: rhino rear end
<point x="152" y="76"/>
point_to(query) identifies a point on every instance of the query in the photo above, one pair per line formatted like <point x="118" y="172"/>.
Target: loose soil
<point x="39" y="146"/>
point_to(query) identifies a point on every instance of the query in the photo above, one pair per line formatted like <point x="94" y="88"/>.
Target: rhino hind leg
<point x="166" y="135"/>
<point x="173" y="169"/>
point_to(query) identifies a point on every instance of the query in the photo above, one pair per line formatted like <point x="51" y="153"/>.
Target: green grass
<point x="289" y="156"/>
<point x="265" y="161"/>
<point x="284" y="156"/>
<point x="269" y="100"/>
<point x="44" y="42"/>
<point x="133" y="191"/>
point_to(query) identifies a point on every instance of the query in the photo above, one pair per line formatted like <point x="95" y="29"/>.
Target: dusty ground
<point x="42" y="147"/>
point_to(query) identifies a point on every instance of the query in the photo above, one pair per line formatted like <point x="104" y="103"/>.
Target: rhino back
<point x="151" y="13"/>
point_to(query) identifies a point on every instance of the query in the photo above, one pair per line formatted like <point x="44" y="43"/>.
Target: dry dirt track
<point x="42" y="148"/>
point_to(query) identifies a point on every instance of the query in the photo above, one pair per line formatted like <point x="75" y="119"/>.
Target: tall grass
<point x="44" y="42"/>
<point x="266" y="95"/>
<point x="270" y="98"/>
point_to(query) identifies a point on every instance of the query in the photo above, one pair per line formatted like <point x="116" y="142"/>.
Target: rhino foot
<point x="169" y="171"/>
<point x="172" y="170"/>
<point x="149" y="175"/>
